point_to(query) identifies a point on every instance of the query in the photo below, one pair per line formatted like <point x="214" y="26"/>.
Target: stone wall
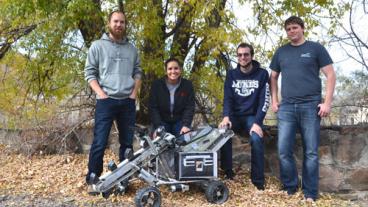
<point x="343" y="156"/>
<point x="343" y="159"/>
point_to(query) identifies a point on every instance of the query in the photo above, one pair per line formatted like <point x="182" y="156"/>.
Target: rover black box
<point x="196" y="165"/>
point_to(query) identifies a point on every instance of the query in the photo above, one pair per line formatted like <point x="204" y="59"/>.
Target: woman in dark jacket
<point x="171" y="101"/>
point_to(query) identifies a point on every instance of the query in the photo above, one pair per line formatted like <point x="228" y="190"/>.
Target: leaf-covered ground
<point x="58" y="180"/>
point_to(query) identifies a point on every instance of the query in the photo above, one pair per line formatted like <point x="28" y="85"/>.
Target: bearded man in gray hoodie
<point x="113" y="72"/>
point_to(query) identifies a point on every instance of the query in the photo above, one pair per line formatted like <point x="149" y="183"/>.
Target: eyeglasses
<point x="243" y="54"/>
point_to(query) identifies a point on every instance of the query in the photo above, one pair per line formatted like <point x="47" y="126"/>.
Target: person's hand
<point x="154" y="135"/>
<point x="184" y="130"/>
<point x="257" y="129"/>
<point x="324" y="109"/>
<point x="225" y="123"/>
<point x="275" y="106"/>
<point x="133" y="96"/>
<point x="103" y="95"/>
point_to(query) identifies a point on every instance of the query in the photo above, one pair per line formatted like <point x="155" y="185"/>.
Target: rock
<point x="363" y="162"/>
<point x="330" y="178"/>
<point x="4" y="197"/>
<point x="236" y="140"/>
<point x="348" y="149"/>
<point x="325" y="156"/>
<point x="242" y="160"/>
<point x="346" y="189"/>
<point x="358" y="179"/>
<point x="272" y="166"/>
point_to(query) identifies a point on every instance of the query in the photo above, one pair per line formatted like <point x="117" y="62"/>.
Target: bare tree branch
<point x="13" y="36"/>
<point x="352" y="28"/>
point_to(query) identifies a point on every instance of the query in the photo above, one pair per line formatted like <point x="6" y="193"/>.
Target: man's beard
<point x="246" y="65"/>
<point x="117" y="34"/>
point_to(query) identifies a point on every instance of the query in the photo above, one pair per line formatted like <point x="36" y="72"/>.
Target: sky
<point x="342" y="62"/>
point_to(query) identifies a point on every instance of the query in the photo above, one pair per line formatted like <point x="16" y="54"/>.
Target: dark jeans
<point x="303" y="117"/>
<point x="257" y="150"/>
<point x="108" y="110"/>
<point x="173" y="128"/>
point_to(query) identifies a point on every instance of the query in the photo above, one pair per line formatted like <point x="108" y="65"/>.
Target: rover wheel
<point x="217" y="192"/>
<point x="107" y="194"/>
<point x="122" y="188"/>
<point x="148" y="196"/>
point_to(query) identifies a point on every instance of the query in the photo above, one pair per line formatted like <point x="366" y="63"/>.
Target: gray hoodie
<point x="115" y="65"/>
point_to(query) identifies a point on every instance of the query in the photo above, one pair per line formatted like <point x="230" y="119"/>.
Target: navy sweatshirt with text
<point x="247" y="93"/>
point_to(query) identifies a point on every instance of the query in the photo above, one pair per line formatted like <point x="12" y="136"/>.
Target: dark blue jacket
<point x="247" y="93"/>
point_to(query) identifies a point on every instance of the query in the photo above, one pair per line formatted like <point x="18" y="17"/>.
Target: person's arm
<point x="263" y="101"/>
<point x="263" y="104"/>
<point x="325" y="107"/>
<point x="274" y="91"/>
<point x="137" y="76"/>
<point x="91" y="71"/>
<point x="153" y="106"/>
<point x="188" y="111"/>
<point x="97" y="89"/>
<point x="228" y="102"/>
<point x="137" y="86"/>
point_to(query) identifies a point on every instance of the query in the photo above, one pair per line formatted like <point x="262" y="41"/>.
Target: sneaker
<point x="229" y="175"/>
<point x="290" y="191"/>
<point x="91" y="190"/>
<point x="309" y="200"/>
<point x="260" y="187"/>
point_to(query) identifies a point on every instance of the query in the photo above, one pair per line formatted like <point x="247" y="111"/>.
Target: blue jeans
<point x="303" y="117"/>
<point x="108" y="110"/>
<point x="257" y="149"/>
<point x="173" y="128"/>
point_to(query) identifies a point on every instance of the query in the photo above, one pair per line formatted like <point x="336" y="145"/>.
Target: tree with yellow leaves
<point x="43" y="45"/>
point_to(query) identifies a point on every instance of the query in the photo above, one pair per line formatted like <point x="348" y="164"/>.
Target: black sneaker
<point x="260" y="187"/>
<point x="229" y="175"/>
<point x="290" y="191"/>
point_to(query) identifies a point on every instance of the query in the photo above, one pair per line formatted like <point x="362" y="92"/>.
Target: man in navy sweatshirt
<point x="246" y="100"/>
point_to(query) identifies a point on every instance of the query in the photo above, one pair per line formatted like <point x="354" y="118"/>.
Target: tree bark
<point x="92" y="27"/>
